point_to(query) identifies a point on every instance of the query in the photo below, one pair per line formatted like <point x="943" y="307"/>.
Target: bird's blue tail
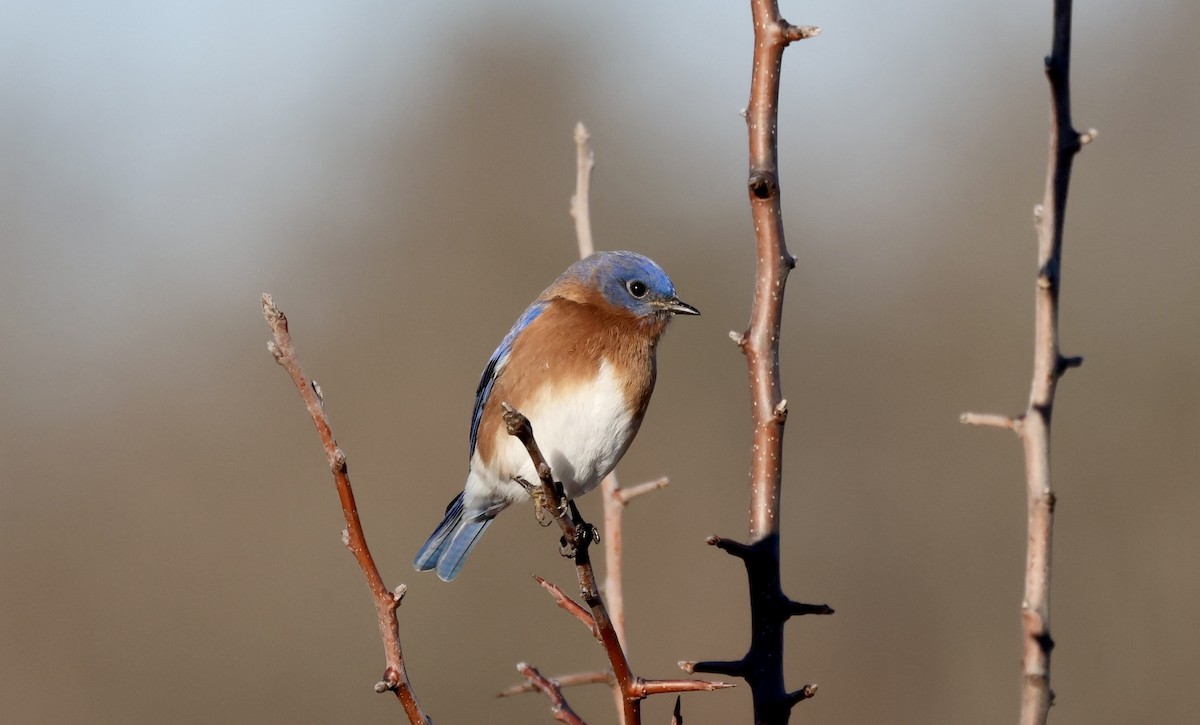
<point x="452" y="541"/>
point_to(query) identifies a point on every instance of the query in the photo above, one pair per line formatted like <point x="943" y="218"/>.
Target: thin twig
<point x="770" y="608"/>
<point x="570" y="605"/>
<point x="580" y="204"/>
<point x="395" y="677"/>
<point x="572" y="680"/>
<point x="552" y="690"/>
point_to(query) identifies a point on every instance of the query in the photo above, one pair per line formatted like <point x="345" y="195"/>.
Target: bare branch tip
<point x="687" y="666"/>
<point x="625" y="495"/>
<point x="991" y="420"/>
<point x="781" y="410"/>
<point x="803" y="693"/>
<point x="792" y="33"/>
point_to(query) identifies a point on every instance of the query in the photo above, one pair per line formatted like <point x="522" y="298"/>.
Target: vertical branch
<point x="772" y="34"/>
<point x="615" y="498"/>
<point x="1049" y="365"/>
<point x="395" y="677"/>
<point x="770" y="608"/>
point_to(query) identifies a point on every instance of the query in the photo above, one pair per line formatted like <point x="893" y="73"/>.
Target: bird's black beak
<point x="680" y="307"/>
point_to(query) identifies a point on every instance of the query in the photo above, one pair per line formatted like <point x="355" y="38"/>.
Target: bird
<point x="580" y="364"/>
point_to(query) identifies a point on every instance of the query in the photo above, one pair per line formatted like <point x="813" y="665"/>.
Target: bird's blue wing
<point x="496" y="365"/>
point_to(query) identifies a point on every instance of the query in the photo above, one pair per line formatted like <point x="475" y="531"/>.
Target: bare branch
<point x="580" y="205"/>
<point x="579" y="678"/>
<point x="570" y="605"/>
<point x="992" y="420"/>
<point x="577" y="538"/>
<point x="1049" y="365"/>
<point x="660" y="687"/>
<point x="395" y="677"/>
<point x="762" y="666"/>
<point x="558" y="704"/>
<point x="625" y="495"/>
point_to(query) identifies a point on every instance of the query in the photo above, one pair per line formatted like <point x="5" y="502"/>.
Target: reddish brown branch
<point x="552" y="689"/>
<point x="762" y="666"/>
<point x="577" y="538"/>
<point x="395" y="677"/>
<point x="570" y="605"/>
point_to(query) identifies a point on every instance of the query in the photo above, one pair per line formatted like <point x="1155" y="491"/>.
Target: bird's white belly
<point x="582" y="432"/>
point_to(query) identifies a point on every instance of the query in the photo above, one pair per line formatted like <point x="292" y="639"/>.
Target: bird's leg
<point x="537" y="494"/>
<point x="585" y="533"/>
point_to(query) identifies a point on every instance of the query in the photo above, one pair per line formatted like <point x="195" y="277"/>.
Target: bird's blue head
<point x="633" y="282"/>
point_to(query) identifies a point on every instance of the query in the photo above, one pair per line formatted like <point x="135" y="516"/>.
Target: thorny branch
<point x="1049" y="365"/>
<point x="395" y="677"/>
<point x="770" y="608"/>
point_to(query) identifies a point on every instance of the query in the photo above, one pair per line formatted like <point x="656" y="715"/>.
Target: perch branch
<point x="1049" y="365"/>
<point x="552" y="689"/>
<point x="770" y="608"/>
<point x="395" y="677"/>
<point x="577" y="538"/>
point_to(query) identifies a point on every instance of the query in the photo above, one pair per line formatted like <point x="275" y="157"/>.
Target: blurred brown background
<point x="397" y="174"/>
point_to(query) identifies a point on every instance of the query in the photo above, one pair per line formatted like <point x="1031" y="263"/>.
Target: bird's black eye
<point x="637" y="288"/>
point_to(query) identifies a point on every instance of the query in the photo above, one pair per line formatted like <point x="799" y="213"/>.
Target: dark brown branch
<point x="395" y="677"/>
<point x="552" y="690"/>
<point x="762" y="666"/>
<point x="577" y="537"/>
<point x="1049" y="365"/>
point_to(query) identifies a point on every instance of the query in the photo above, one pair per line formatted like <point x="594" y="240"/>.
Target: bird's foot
<point x="541" y="509"/>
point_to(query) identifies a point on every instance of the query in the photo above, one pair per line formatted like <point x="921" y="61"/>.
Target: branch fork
<point x="578" y="535"/>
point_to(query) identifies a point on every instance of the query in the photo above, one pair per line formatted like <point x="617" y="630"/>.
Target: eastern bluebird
<point x="580" y="364"/>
